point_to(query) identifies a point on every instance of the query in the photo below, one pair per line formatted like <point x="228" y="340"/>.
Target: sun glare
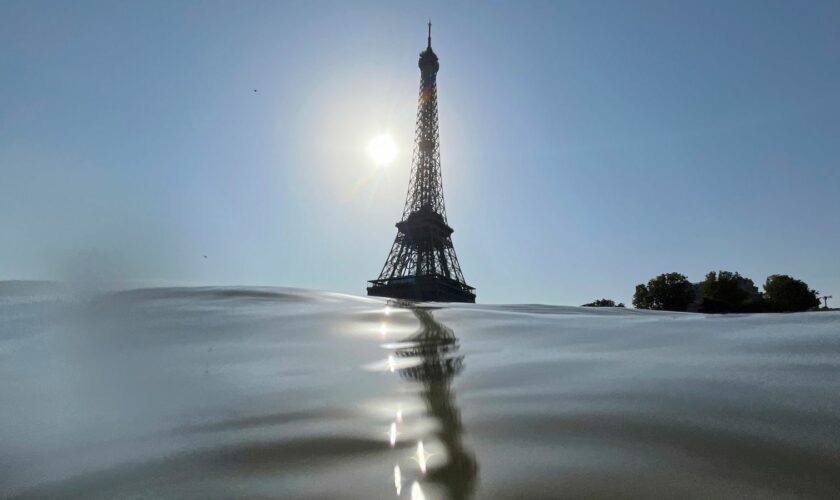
<point x="382" y="149"/>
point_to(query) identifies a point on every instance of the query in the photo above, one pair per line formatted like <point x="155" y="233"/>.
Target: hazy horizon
<point x="586" y="147"/>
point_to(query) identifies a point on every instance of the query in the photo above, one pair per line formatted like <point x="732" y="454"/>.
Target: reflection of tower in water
<point x="433" y="353"/>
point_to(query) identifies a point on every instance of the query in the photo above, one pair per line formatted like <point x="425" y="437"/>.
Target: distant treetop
<point x="666" y="292"/>
<point x="786" y="294"/>
<point x="604" y="303"/>
<point x="725" y="292"/>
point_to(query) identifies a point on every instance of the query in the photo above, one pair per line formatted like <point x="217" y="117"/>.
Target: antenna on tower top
<point x="430" y="34"/>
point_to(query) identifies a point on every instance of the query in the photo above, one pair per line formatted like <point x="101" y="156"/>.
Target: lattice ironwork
<point x="422" y="264"/>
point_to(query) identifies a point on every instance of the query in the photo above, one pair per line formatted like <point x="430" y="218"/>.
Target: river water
<point x="285" y="393"/>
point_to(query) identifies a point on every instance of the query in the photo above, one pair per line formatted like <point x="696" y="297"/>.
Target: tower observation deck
<point x="422" y="264"/>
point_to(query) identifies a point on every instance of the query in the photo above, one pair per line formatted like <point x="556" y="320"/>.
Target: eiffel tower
<point x="422" y="264"/>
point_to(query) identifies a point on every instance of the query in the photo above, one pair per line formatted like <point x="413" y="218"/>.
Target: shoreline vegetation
<point x="725" y="292"/>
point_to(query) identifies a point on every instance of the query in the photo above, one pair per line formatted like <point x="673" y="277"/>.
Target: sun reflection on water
<point x="429" y="357"/>
<point x="417" y="492"/>
<point x="392" y="434"/>
<point x="421" y="456"/>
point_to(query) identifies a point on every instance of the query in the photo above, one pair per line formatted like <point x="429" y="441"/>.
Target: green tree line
<point x="725" y="292"/>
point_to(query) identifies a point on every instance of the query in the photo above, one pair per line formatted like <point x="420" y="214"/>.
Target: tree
<point x="786" y="294"/>
<point x="756" y="304"/>
<point x="666" y="292"/>
<point x="603" y="303"/>
<point x="725" y="292"/>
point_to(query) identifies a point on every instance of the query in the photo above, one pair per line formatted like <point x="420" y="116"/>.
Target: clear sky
<point x="586" y="146"/>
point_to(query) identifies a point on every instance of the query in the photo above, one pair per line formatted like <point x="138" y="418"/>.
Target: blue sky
<point x="586" y="146"/>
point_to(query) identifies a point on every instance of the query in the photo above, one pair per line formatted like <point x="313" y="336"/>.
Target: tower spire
<point x="429" y="45"/>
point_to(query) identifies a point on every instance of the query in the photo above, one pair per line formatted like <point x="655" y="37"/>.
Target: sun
<point x="382" y="149"/>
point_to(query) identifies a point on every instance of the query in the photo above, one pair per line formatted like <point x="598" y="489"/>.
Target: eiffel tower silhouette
<point x="422" y="264"/>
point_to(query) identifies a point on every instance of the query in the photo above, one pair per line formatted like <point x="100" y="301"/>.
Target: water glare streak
<point x="392" y="434"/>
<point x="417" y="492"/>
<point x="421" y="456"/>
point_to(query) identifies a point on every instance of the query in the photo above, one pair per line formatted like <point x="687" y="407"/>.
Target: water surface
<point x="284" y="393"/>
